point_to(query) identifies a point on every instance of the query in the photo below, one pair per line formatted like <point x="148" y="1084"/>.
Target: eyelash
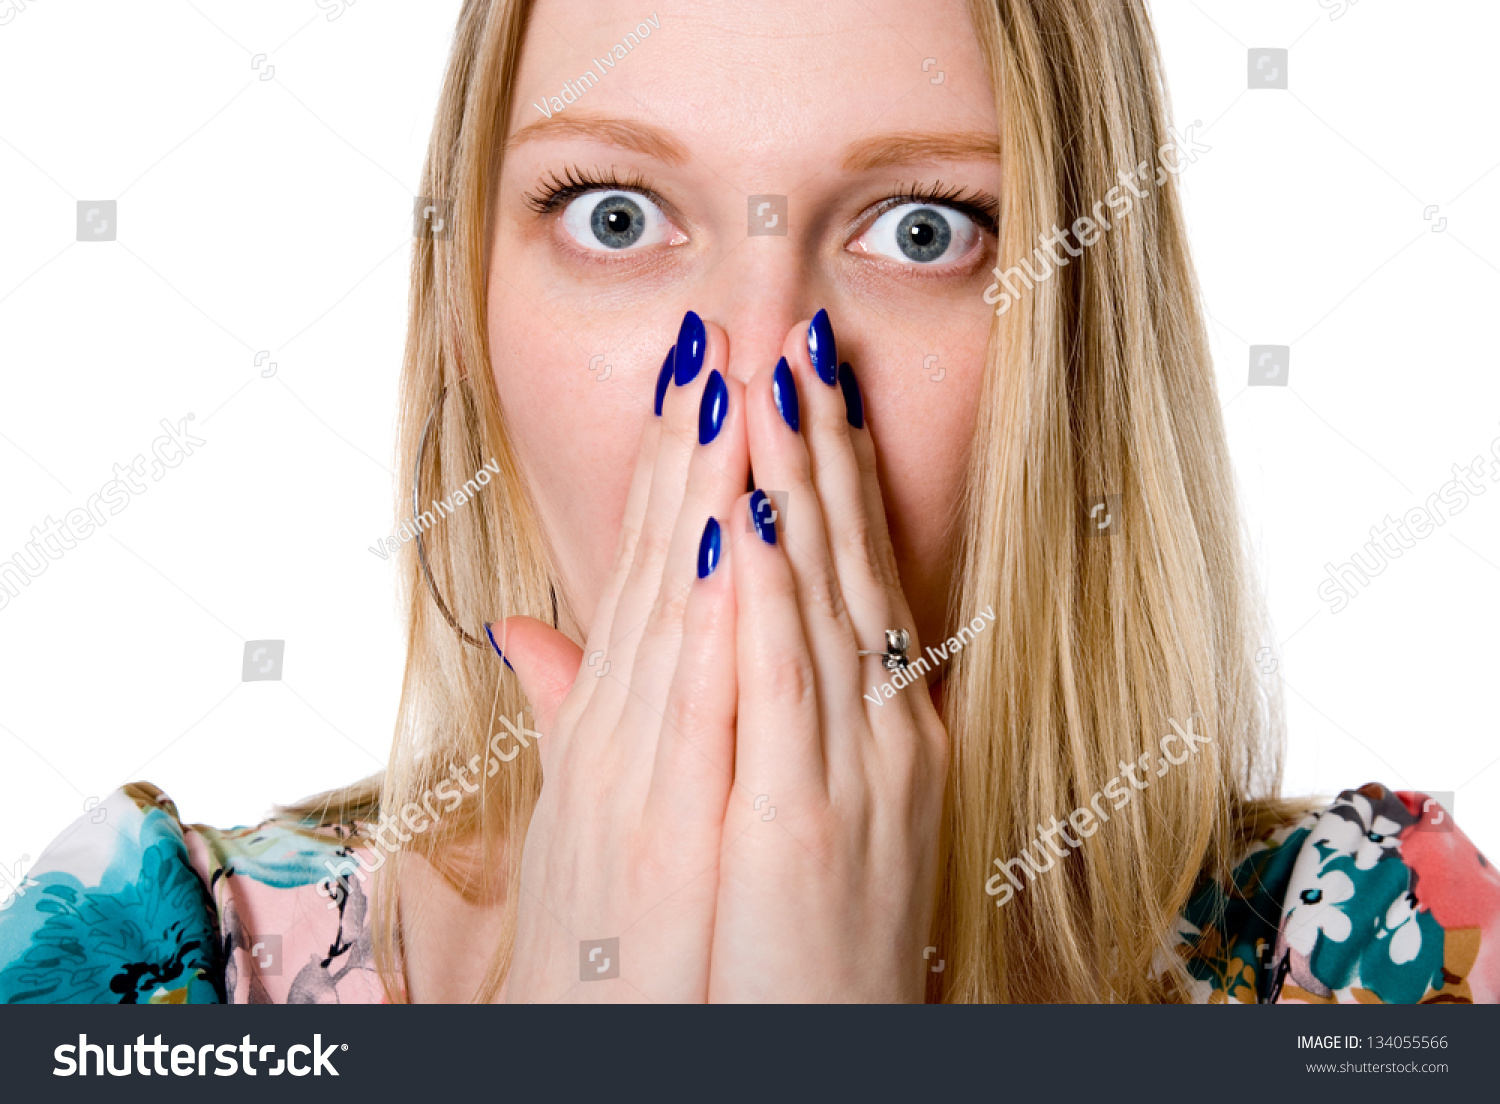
<point x="983" y="209"/>
<point x="556" y="191"/>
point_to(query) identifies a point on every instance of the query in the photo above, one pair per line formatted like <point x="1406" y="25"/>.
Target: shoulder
<point x="129" y="905"/>
<point x="112" y="912"/>
<point x="1377" y="898"/>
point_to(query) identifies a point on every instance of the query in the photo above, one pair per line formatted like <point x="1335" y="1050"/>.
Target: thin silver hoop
<point x="416" y="491"/>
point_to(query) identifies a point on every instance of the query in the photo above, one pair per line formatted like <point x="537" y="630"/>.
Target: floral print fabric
<point x="129" y="906"/>
<point x="1378" y="898"/>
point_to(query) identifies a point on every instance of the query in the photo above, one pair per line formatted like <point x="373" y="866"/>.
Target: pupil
<point x="924" y="235"/>
<point x="618" y="221"/>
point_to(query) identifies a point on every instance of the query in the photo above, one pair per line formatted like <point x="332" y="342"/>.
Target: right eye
<point x="611" y="221"/>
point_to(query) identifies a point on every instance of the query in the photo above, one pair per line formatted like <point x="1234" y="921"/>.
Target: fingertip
<point x="544" y="660"/>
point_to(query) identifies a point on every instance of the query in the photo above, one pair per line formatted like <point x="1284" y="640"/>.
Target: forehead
<point x="759" y="87"/>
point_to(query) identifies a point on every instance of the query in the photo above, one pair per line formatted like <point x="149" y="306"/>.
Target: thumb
<point x="545" y="661"/>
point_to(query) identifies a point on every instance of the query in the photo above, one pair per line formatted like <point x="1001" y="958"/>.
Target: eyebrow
<point x="869" y="153"/>
<point x="905" y="149"/>
<point x="625" y="133"/>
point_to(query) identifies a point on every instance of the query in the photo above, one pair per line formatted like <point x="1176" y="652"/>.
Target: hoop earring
<point x="416" y="489"/>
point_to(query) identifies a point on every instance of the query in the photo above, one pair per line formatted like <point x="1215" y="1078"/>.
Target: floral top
<point x="1377" y="899"/>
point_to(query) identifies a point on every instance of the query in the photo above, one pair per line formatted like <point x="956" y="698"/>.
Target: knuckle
<point x="786" y="679"/>
<point x="824" y="596"/>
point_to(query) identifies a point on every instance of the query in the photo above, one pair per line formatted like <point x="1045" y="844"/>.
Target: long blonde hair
<point x="1098" y="381"/>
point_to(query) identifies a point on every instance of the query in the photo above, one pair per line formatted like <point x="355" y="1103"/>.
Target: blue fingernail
<point x="692" y="340"/>
<point x="821" y="348"/>
<point x="854" y="405"/>
<point x="708" y="549"/>
<point x="663" y="378"/>
<point x="784" y="391"/>
<point x="489" y="632"/>
<point x="763" y="515"/>
<point x="714" y="408"/>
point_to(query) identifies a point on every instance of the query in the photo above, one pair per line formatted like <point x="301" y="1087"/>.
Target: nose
<point x="757" y="293"/>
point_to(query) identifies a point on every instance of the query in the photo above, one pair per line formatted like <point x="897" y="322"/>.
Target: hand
<point x="830" y="898"/>
<point x="637" y="764"/>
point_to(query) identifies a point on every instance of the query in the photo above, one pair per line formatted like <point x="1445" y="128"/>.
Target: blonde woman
<point x="968" y="678"/>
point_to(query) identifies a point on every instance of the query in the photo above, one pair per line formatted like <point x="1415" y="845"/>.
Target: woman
<point x="959" y="704"/>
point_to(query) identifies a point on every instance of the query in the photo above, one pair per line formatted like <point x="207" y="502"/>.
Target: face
<point x="630" y="205"/>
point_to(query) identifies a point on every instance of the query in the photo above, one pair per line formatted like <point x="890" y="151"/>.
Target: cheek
<point x="575" y="436"/>
<point x="924" y="431"/>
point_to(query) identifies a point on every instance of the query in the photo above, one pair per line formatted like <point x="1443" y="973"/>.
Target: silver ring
<point x="896" y="643"/>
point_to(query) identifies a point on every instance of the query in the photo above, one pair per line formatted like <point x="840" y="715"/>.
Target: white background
<point x="276" y="215"/>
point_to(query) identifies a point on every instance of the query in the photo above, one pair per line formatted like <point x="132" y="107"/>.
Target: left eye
<point x="612" y="221"/>
<point x="920" y="233"/>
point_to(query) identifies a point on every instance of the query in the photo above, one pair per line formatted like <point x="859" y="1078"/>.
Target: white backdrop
<point x="263" y="159"/>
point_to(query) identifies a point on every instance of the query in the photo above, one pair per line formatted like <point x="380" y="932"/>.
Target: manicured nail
<point x="854" y="405"/>
<point x="708" y="549"/>
<point x="664" y="378"/>
<point x="784" y="391"/>
<point x="714" y="408"/>
<point x="692" y="339"/>
<point x="489" y="632"/>
<point x="821" y="349"/>
<point x="763" y="515"/>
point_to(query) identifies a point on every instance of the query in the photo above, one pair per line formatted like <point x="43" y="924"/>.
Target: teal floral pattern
<point x="1377" y="898"/>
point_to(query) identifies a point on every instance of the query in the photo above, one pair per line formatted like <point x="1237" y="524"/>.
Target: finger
<point x="778" y="748"/>
<point x="701" y="351"/>
<point x="695" y="754"/>
<point x="545" y="662"/>
<point x="833" y="428"/>
<point x="781" y="462"/>
<point x="633" y="516"/>
<point x="717" y="473"/>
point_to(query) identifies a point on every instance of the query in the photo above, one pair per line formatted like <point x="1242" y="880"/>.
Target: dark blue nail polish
<point x="821" y="349"/>
<point x="763" y="516"/>
<point x="784" y="391"/>
<point x="708" y="549"/>
<point x="489" y="632"/>
<point x="854" y="404"/>
<point x="714" y="408"/>
<point x="664" y="378"/>
<point x="692" y="340"/>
